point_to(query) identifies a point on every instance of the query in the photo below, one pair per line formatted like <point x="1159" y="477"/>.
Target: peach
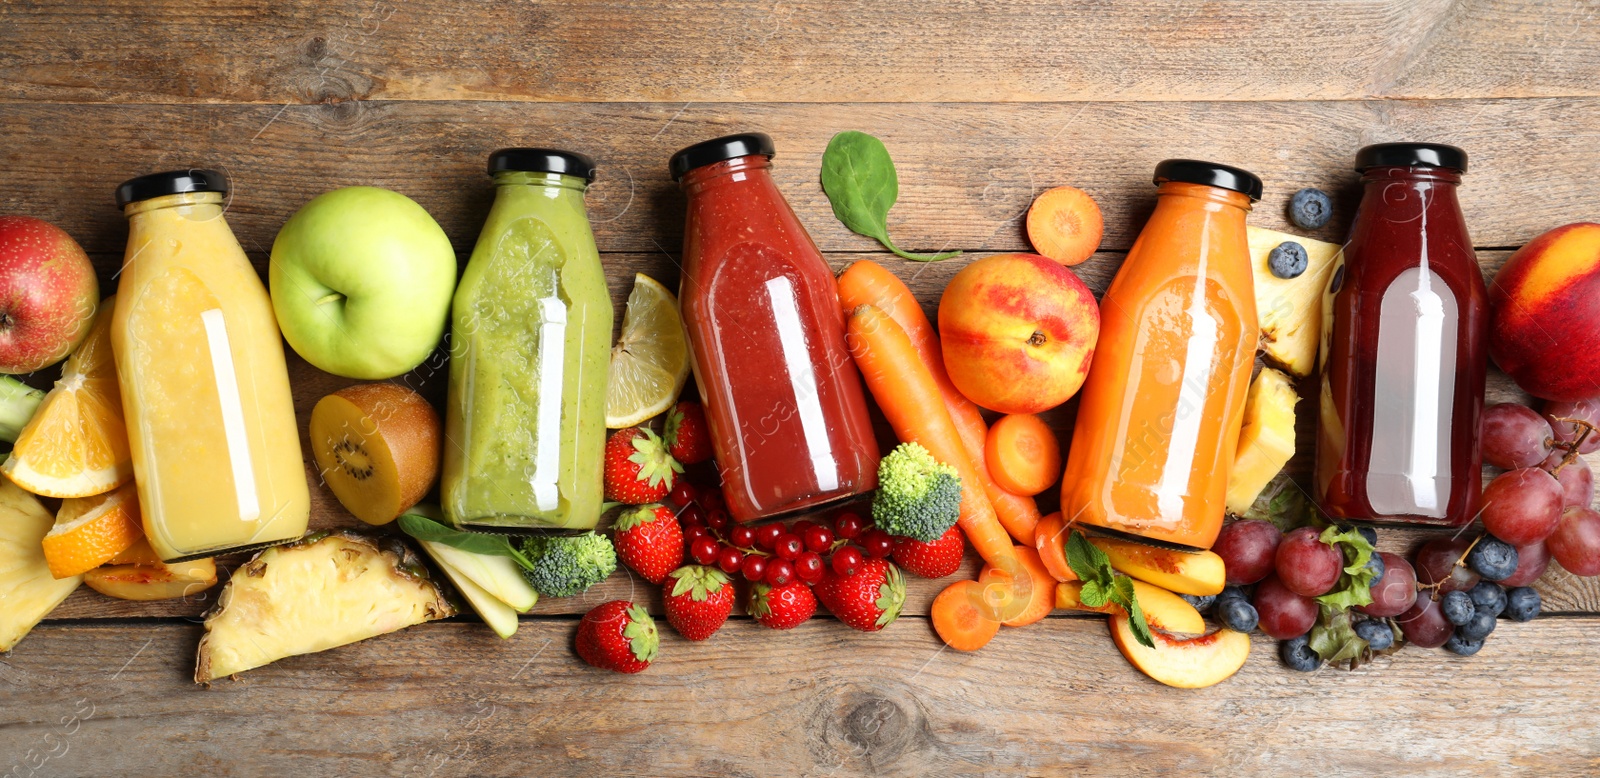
<point x="1018" y="332"/>
<point x="1192" y="663"/>
<point x="1163" y="610"/>
<point x="1544" y="310"/>
<point x="1183" y="572"/>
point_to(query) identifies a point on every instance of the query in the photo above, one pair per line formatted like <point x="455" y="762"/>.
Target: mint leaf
<point x="1122" y="594"/>
<point x="1087" y="562"/>
<point x="1093" y="595"/>
<point x="1355" y="581"/>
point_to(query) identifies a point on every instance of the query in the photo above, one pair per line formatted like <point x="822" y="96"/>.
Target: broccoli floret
<point x="565" y="565"/>
<point x="918" y="496"/>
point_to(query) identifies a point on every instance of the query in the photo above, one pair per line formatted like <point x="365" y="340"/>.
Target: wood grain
<point x="306" y="51"/>
<point x="968" y="172"/>
<point x="449" y="699"/>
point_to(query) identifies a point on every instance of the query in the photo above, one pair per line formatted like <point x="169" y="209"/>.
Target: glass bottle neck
<point x="196" y="206"/>
<point x="1181" y="194"/>
<point x="725" y="172"/>
<point x="553" y="181"/>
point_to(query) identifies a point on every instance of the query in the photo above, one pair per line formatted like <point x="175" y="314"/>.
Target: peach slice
<point x="1192" y="663"/>
<point x="1185" y="572"/>
<point x="1162" y="609"/>
<point x="153" y="582"/>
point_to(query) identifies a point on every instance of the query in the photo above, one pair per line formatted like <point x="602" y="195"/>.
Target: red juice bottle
<point x="1404" y="355"/>
<point x="784" y="402"/>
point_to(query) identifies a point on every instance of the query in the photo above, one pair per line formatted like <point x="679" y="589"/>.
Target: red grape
<point x="1532" y="559"/>
<point x="730" y="559"/>
<point x="1514" y="436"/>
<point x="1306" y="565"/>
<point x="1396" y="591"/>
<point x="1567" y="432"/>
<point x="1439" y="562"/>
<point x="1248" y="549"/>
<point x="1522" y="506"/>
<point x="1284" y="614"/>
<point x="779" y="572"/>
<point x="1425" y="625"/>
<point x="1576" y="541"/>
<point x="808" y="567"/>
<point x="1577" y="483"/>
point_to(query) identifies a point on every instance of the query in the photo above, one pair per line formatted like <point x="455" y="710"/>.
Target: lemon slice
<point x="651" y="359"/>
<point x="91" y="531"/>
<point x="76" y="444"/>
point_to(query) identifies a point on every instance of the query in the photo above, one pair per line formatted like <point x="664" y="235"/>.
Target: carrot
<point x="1022" y="454"/>
<point x="868" y="283"/>
<point x="1065" y="225"/>
<point x="909" y="398"/>
<point x="1041" y="599"/>
<point x="959" y="617"/>
<point x="1052" y="546"/>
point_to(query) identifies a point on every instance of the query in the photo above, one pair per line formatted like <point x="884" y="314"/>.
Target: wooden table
<point x="983" y="105"/>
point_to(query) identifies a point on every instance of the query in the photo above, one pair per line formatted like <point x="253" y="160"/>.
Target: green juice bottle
<point x="529" y="355"/>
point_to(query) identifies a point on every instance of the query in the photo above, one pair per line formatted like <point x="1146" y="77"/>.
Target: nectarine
<point x="1194" y="663"/>
<point x="1544" y="309"/>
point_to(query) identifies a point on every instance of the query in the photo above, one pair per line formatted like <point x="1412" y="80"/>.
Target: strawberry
<point x="868" y="600"/>
<point x="619" y="636"/>
<point x="638" y="468"/>
<point x="698" y="600"/>
<point x="686" y="433"/>
<point x="649" y="540"/>
<point x="938" y="559"/>
<point x="782" y="607"/>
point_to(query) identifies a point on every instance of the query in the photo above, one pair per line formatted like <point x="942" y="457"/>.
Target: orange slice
<point x="91" y="531"/>
<point x="76" y="444"/>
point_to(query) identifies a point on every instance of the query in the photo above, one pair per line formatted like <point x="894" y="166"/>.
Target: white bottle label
<point x="1413" y="397"/>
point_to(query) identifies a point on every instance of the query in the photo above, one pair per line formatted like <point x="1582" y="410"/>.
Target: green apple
<point x="361" y="282"/>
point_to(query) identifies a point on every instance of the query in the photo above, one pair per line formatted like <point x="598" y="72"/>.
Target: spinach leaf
<point x="483" y="543"/>
<point x="859" y="178"/>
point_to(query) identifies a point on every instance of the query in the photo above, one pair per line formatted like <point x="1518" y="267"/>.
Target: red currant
<point x="767" y="536"/>
<point x="788" y="546"/>
<point x="691" y="516"/>
<point x="819" y="539"/>
<point x="742" y="536"/>
<point x="846" y="561"/>
<point x="683" y="493"/>
<point x="779" y="572"/>
<point x="877" y="543"/>
<point x="730" y="559"/>
<point x="716" y="518"/>
<point x="753" y="567"/>
<point x="712" y="500"/>
<point x="800" y="527"/>
<point x="695" y="532"/>
<point x="848" y="526"/>
<point x="808" y="567"/>
<point x="704" y="550"/>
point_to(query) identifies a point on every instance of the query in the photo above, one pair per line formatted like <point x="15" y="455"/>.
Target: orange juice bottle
<point x="1159" y="417"/>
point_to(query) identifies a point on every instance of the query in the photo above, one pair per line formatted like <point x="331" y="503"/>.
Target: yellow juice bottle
<point x="216" y="451"/>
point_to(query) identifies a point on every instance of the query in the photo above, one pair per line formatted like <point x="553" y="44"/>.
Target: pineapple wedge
<point x="1266" y="441"/>
<point x="28" y="592"/>
<point x="327" y="590"/>
<point x="1290" y="310"/>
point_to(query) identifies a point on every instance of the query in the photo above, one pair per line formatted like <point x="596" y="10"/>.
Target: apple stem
<point x="331" y="297"/>
<point x="18" y="401"/>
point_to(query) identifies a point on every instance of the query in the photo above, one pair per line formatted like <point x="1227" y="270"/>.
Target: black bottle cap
<point x="171" y="182"/>
<point x="720" y="149"/>
<point x="1193" y="171"/>
<point x="567" y="163"/>
<point x="1411" y="155"/>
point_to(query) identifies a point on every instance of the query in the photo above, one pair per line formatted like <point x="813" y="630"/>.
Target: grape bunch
<point x="1545" y="496"/>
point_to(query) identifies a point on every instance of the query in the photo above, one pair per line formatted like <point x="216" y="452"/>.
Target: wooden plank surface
<point x="306" y="51"/>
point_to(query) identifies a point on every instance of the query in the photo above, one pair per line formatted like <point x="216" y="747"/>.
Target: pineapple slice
<point x="1290" y="310"/>
<point x="28" y="592"/>
<point x="1266" y="441"/>
<point x="325" y="591"/>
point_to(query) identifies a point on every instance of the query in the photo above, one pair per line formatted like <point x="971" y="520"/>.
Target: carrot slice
<point x="959" y="617"/>
<point x="1065" y="225"/>
<point x="1041" y="598"/>
<point x="1051" y="542"/>
<point x="1022" y="454"/>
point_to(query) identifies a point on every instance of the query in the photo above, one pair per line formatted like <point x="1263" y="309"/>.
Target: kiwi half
<point x="377" y="448"/>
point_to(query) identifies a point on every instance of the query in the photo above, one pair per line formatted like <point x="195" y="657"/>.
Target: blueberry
<point x="1457" y="607"/>
<point x="1297" y="654"/>
<point x="1288" y="260"/>
<point x="1378" y="634"/>
<point x="1238" y="614"/>
<point x="1377" y="567"/>
<point x="1310" y="208"/>
<point x="1460" y="644"/>
<point x="1522" y="603"/>
<point x="1201" y="604"/>
<point x="1493" y="558"/>
<point x="1488" y="597"/>
<point x="1369" y="533"/>
<point x="1233" y="591"/>
<point x="1479" y="627"/>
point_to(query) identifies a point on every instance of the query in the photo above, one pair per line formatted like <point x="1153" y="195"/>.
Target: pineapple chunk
<point x="1266" y="441"/>
<point x="1290" y="310"/>
<point x="322" y="592"/>
<point x="28" y="592"/>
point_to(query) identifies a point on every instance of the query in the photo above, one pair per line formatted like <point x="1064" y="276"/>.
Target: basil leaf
<point x="424" y="528"/>
<point x="859" y="178"/>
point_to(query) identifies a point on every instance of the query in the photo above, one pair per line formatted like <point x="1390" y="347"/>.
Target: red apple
<point x="1018" y="332"/>
<point x="1544" y="306"/>
<point x="48" y="294"/>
